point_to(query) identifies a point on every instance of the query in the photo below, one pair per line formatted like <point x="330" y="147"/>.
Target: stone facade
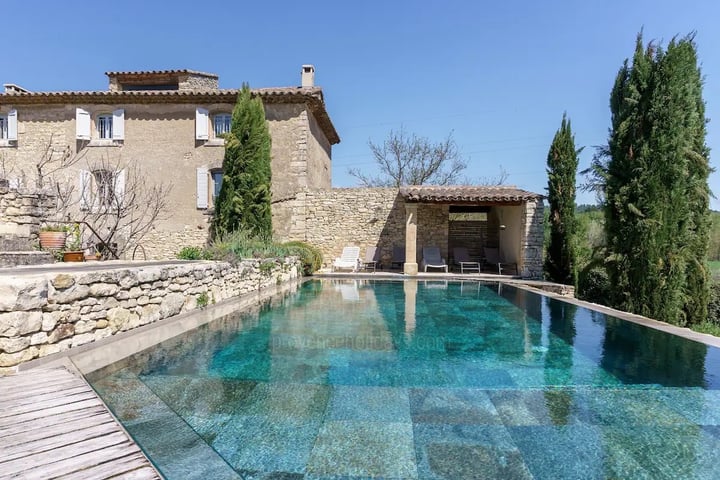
<point x="45" y="314"/>
<point x="160" y="138"/>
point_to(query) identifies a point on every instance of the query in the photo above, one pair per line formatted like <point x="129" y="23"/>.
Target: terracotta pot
<point x="78" y="256"/>
<point x="52" y="240"/>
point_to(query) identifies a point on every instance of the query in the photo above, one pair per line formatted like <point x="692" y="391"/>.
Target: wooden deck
<point x="53" y="425"/>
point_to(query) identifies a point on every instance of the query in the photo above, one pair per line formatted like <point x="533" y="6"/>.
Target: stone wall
<point x="365" y="217"/>
<point x="45" y="314"/>
<point x="22" y="211"/>
<point x="531" y="245"/>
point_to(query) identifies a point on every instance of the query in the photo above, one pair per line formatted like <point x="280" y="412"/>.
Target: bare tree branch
<point x="405" y="159"/>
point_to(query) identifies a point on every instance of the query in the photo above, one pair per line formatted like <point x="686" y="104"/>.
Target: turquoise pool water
<point x="421" y="380"/>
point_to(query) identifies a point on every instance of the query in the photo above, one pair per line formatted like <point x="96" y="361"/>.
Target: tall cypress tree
<point x="562" y="163"/>
<point x="656" y="186"/>
<point x="244" y="199"/>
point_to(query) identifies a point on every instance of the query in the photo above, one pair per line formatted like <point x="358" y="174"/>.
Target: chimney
<point x="308" y="76"/>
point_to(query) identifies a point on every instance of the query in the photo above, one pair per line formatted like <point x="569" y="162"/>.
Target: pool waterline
<point x="381" y="370"/>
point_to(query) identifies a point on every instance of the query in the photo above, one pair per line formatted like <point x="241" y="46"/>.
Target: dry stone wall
<point x="532" y="240"/>
<point x="21" y="213"/>
<point x="45" y="314"/>
<point x="364" y="217"/>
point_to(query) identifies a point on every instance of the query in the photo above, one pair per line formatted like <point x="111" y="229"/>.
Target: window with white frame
<point x="99" y="126"/>
<point x="221" y="124"/>
<point x="102" y="189"/>
<point x="104" y="126"/>
<point x="8" y="126"/>
<point x="216" y="177"/>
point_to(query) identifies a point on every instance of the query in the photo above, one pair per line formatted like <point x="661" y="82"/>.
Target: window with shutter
<point x="202" y="124"/>
<point x="201" y="193"/>
<point x="221" y="124"/>
<point x="104" y="127"/>
<point x="12" y="126"/>
<point x="85" y="189"/>
<point x="82" y="124"/>
<point x="118" y="126"/>
<point x="120" y="187"/>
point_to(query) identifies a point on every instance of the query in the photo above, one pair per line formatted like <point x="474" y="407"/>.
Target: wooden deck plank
<point x="20" y="396"/>
<point x="45" y="423"/>
<point x="40" y="445"/>
<point x="17" y="410"/>
<point x="76" y="464"/>
<point x="53" y="425"/>
<point x="97" y="446"/>
<point x="39" y="414"/>
<point x="25" y="440"/>
<point x="131" y="467"/>
<point x="31" y="376"/>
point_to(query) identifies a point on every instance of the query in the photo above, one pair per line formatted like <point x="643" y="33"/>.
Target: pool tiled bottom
<point x="204" y="427"/>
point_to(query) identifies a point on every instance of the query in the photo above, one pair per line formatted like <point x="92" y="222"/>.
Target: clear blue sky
<point x="497" y="74"/>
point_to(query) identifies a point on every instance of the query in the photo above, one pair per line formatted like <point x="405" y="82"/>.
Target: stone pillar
<point x="411" y="266"/>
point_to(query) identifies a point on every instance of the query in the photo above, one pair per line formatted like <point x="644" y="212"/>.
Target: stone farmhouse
<point x="170" y="124"/>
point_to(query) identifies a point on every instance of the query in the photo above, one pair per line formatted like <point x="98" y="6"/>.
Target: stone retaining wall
<point x="45" y="314"/>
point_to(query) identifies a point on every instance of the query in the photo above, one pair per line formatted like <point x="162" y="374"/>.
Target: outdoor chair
<point x="348" y="260"/>
<point x="372" y="258"/>
<point x="431" y="258"/>
<point x="493" y="257"/>
<point x="398" y="256"/>
<point x="461" y="257"/>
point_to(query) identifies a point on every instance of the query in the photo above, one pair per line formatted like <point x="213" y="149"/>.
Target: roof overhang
<point x="310" y="96"/>
<point x="468" y="195"/>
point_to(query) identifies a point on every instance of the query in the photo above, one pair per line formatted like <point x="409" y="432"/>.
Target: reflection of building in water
<point x="410" y="289"/>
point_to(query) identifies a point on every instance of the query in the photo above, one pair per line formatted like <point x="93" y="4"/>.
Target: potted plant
<point x="73" y="251"/>
<point x="52" y="237"/>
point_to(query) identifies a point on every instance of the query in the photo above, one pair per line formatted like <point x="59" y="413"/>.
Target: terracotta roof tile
<point x="160" y="72"/>
<point x="463" y="194"/>
<point x="311" y="96"/>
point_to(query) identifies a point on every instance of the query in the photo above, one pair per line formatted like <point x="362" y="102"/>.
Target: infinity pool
<point x="421" y="380"/>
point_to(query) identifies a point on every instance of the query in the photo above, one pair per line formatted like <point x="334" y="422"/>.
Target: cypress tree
<point x="244" y="199"/>
<point x="562" y="163"/>
<point x="656" y="186"/>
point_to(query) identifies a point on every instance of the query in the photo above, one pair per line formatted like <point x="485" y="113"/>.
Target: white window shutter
<point x="202" y="188"/>
<point x="120" y="187"/>
<point x="118" y="128"/>
<point x="12" y="125"/>
<point x="202" y="124"/>
<point x="82" y="124"/>
<point x="85" y="189"/>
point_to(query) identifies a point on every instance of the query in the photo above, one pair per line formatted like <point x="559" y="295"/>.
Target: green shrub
<point x="310" y="256"/>
<point x="191" y="253"/>
<point x="243" y="244"/>
<point x="714" y="304"/>
<point x="594" y="285"/>
<point x="203" y="300"/>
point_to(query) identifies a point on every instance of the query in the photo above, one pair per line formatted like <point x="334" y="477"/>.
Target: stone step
<point x="34" y="257"/>
<point x="11" y="243"/>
